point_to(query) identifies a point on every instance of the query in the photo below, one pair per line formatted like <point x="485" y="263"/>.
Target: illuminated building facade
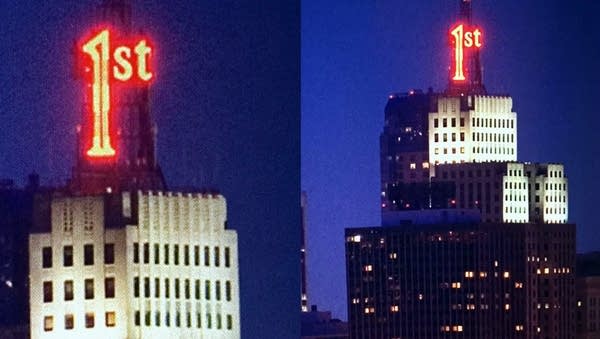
<point x="476" y="280"/>
<point x="134" y="265"/>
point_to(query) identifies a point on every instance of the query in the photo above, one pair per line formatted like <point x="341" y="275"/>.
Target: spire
<point x="469" y="56"/>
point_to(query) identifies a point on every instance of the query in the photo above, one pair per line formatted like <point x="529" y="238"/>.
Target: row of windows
<point x="445" y="122"/>
<point x="156" y="252"/>
<point x="494" y="123"/>
<point x="188" y="320"/>
<point x="445" y="136"/>
<point x="445" y="150"/>
<point x="177" y="288"/>
<point x="88" y="255"/>
<point x="493" y="137"/>
<point x="494" y="150"/>
<point x="90" y="322"/>
<point x="554" y="186"/>
<point x="48" y="290"/>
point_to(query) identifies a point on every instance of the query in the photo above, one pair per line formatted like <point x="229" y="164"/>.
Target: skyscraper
<point x="114" y="253"/>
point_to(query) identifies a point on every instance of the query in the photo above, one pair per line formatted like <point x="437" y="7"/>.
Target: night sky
<point x="226" y="103"/>
<point x="545" y="54"/>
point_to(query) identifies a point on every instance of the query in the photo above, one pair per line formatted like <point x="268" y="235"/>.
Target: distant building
<point x="319" y="325"/>
<point x="495" y="280"/>
<point x="588" y="295"/>
<point x="134" y="265"/>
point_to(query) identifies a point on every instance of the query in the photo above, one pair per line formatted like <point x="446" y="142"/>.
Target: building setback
<point x="134" y="265"/>
<point x="495" y="280"/>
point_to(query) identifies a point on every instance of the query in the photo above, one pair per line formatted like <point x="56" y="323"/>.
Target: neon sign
<point x="107" y="65"/>
<point x="463" y="39"/>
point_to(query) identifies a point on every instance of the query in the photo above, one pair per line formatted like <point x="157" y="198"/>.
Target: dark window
<point x="68" y="290"/>
<point x="147" y="318"/>
<point x="136" y="287"/>
<point x="207" y="290"/>
<point x="136" y="320"/>
<point x="166" y="254"/>
<point x="167" y="292"/>
<point x="178" y="319"/>
<point x="168" y="319"/>
<point x="208" y="320"/>
<point x="219" y="325"/>
<point x="187" y="288"/>
<point x="197" y="255"/>
<point x="157" y="319"/>
<point x="89" y="320"/>
<point x="156" y="288"/>
<point x="109" y="254"/>
<point x="147" y="287"/>
<point x="453" y="122"/>
<point x="136" y="252"/>
<point x="47" y="291"/>
<point x="176" y="288"/>
<point x="229" y="322"/>
<point x="156" y="254"/>
<point x="69" y="322"/>
<point x="88" y="255"/>
<point x="146" y="253"/>
<point x="197" y="289"/>
<point x="176" y="255"/>
<point x="227" y="263"/>
<point x="228" y="290"/>
<point x="218" y="290"/>
<point x="206" y="256"/>
<point x="217" y="256"/>
<point x="109" y="288"/>
<point x="435" y="123"/>
<point x="186" y="255"/>
<point x="68" y="256"/>
<point x="462" y="122"/>
<point x="199" y="320"/>
<point x="89" y="288"/>
<point x="46" y="257"/>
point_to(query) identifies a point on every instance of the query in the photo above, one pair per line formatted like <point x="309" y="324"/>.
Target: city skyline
<point x="340" y="168"/>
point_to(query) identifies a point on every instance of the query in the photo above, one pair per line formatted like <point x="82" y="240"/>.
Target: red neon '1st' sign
<point x="125" y="63"/>
<point x="463" y="39"/>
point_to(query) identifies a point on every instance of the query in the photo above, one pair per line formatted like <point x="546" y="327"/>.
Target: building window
<point x="136" y="253"/>
<point x="197" y="255"/>
<point x="217" y="256"/>
<point x="186" y="255"/>
<point x="462" y="122"/>
<point x="435" y="123"/>
<point x="167" y="291"/>
<point x="176" y="255"/>
<point x="462" y="136"/>
<point x="218" y="290"/>
<point x="69" y="321"/>
<point x="207" y="290"/>
<point x="68" y="256"/>
<point x="89" y="320"/>
<point x="109" y="254"/>
<point x="147" y="317"/>
<point x="110" y="319"/>
<point x="176" y="288"/>
<point x="197" y="289"/>
<point x="229" y="322"/>
<point x="156" y="287"/>
<point x="436" y="138"/>
<point x="48" y="323"/>
<point x="156" y="254"/>
<point x="89" y="288"/>
<point x="136" y="318"/>
<point x="198" y="319"/>
<point x="157" y="319"/>
<point x="208" y="320"/>
<point x="136" y="287"/>
<point x="453" y="136"/>
<point x="219" y="325"/>
<point x="178" y="319"/>
<point x="445" y="137"/>
<point x="88" y="255"/>
<point x="146" y="253"/>
<point x="109" y="288"/>
<point x="453" y="122"/>
<point x="206" y="256"/>
<point x="187" y="288"/>
<point x="46" y="257"/>
<point x="68" y="290"/>
<point x="146" y="287"/>
<point x="227" y="261"/>
<point x="228" y="290"/>
<point x="47" y="291"/>
<point x="444" y="122"/>
<point x="166" y="254"/>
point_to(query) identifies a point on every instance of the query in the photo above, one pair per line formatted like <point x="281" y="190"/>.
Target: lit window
<point x="368" y="268"/>
<point x="507" y="307"/>
<point x="456" y="285"/>
<point x="506" y="274"/>
<point x="420" y="297"/>
<point x="46" y="257"/>
<point x="394" y="308"/>
<point x="47" y="291"/>
<point x="425" y="164"/>
<point x="69" y="322"/>
<point x="88" y="255"/>
<point x="469" y="274"/>
<point x="68" y="290"/>
<point x="89" y="320"/>
<point x="519" y="328"/>
<point x="546" y="270"/>
<point x="413" y="166"/>
<point x="48" y="323"/>
<point x="462" y="150"/>
<point x="579" y="303"/>
<point x="482" y="274"/>
<point x="436" y="151"/>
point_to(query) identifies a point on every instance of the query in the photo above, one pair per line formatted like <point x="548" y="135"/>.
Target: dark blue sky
<point x="226" y="103"/>
<point x="545" y="54"/>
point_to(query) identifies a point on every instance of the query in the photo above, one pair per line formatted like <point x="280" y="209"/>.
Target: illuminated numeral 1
<point x="98" y="49"/>
<point x="458" y="33"/>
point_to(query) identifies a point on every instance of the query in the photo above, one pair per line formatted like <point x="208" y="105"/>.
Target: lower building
<point x="319" y="325"/>
<point x="473" y="280"/>
<point x="588" y="295"/>
<point x="134" y="265"/>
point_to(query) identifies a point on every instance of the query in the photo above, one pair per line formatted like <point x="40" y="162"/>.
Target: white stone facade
<point x="173" y="274"/>
<point x="485" y="129"/>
